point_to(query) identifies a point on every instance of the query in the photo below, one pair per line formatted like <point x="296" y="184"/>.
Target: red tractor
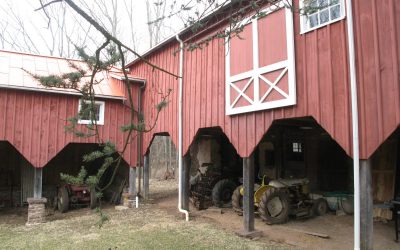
<point x="75" y="196"/>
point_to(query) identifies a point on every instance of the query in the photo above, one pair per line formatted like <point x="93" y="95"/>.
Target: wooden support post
<point x="37" y="183"/>
<point x="146" y="177"/>
<point x="366" y="206"/>
<point x="185" y="182"/>
<point x="37" y="204"/>
<point x="132" y="181"/>
<point x="278" y="149"/>
<point x="248" y="199"/>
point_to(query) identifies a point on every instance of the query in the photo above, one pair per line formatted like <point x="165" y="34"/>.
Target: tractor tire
<point x="222" y="193"/>
<point x="63" y="200"/>
<point x="348" y="206"/>
<point x="93" y="198"/>
<point x="274" y="207"/>
<point x="319" y="207"/>
<point x="237" y="201"/>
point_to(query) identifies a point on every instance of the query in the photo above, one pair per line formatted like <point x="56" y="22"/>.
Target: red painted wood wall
<point x="377" y="24"/>
<point x="33" y="122"/>
<point x="322" y="84"/>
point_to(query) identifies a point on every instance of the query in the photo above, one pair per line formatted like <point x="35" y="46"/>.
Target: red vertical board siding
<point x="158" y="82"/>
<point x="241" y="47"/>
<point x="34" y="123"/>
<point x="377" y="43"/>
<point x="272" y="30"/>
<point x="322" y="84"/>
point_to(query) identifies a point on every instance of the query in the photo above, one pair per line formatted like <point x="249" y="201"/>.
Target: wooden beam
<point x="37" y="183"/>
<point x="185" y="183"/>
<point x="248" y="199"/>
<point x="146" y="177"/>
<point x="132" y="180"/>
<point x="366" y="206"/>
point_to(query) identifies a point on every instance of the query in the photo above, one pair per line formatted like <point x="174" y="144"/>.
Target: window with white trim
<point x="296" y="152"/>
<point x="318" y="13"/>
<point x="297" y="148"/>
<point x="85" y="117"/>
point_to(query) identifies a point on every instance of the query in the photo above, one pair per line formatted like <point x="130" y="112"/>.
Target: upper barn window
<point x="260" y="70"/>
<point x="85" y="117"/>
<point x="318" y="13"/>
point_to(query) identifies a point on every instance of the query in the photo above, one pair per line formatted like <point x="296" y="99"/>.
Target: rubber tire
<point x="269" y="194"/>
<point x="93" y="198"/>
<point x="348" y="206"/>
<point x="219" y="190"/>
<point x="63" y="200"/>
<point x="237" y="201"/>
<point x="319" y="207"/>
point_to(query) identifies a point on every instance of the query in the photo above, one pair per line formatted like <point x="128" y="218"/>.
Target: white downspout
<point x="180" y="127"/>
<point x="354" y="118"/>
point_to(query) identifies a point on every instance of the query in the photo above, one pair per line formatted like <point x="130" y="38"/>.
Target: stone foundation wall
<point x="128" y="200"/>
<point x="36" y="211"/>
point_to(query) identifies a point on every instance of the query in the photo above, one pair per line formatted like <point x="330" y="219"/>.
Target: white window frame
<point x="255" y="74"/>
<point x="297" y="147"/>
<point x="101" y="112"/>
<point x="304" y="22"/>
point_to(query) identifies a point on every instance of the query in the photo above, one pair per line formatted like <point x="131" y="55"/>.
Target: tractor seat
<point x="294" y="182"/>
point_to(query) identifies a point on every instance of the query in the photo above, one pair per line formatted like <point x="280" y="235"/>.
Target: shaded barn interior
<point x="70" y="160"/>
<point x="386" y="175"/>
<point x="215" y="168"/>
<point x="301" y="148"/>
<point x="17" y="174"/>
<point x="397" y="165"/>
<point x="12" y="164"/>
<point x="211" y="145"/>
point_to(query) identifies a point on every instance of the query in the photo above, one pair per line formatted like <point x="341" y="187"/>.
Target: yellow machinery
<point x="280" y="198"/>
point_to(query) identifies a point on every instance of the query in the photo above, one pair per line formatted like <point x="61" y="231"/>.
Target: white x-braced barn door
<point x="260" y="64"/>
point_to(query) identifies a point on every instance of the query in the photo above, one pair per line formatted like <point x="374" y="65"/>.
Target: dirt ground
<point x="338" y="228"/>
<point x="158" y="225"/>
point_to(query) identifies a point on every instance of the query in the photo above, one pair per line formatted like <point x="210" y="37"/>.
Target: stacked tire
<point x="222" y="193"/>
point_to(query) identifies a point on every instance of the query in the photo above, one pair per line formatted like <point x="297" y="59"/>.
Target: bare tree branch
<point x="107" y="35"/>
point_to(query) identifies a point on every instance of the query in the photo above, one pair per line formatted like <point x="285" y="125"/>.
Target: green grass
<point x="144" y="228"/>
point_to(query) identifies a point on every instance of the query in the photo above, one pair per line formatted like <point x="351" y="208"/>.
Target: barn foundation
<point x="36" y="211"/>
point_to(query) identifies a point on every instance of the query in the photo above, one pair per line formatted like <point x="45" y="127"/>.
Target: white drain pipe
<point x="354" y="118"/>
<point x="180" y="127"/>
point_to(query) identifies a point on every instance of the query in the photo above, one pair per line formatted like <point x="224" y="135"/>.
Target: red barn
<point x="278" y="99"/>
<point x="284" y="90"/>
<point x="33" y="143"/>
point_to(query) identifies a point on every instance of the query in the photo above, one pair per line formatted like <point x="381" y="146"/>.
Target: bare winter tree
<point x="42" y="36"/>
<point x="155" y="14"/>
<point x="57" y="30"/>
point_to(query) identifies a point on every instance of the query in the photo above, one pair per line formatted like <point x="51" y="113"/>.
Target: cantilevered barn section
<point x="289" y="78"/>
<point x="34" y="146"/>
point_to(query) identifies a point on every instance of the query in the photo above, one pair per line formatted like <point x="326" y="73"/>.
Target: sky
<point x="25" y="29"/>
